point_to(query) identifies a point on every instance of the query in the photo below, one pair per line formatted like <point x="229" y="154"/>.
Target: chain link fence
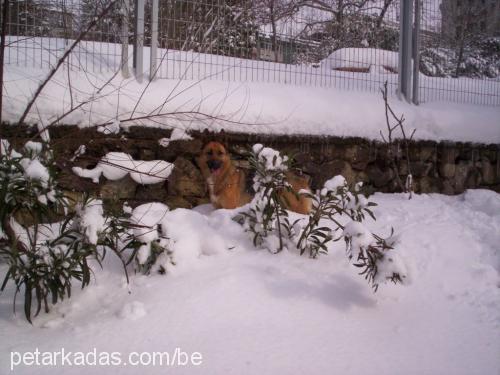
<point x="347" y="44"/>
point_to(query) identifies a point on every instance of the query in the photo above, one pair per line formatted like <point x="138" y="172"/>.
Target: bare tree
<point x="464" y="21"/>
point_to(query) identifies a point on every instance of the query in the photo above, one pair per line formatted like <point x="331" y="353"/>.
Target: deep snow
<point x="250" y="312"/>
<point x="253" y="96"/>
<point x="248" y="107"/>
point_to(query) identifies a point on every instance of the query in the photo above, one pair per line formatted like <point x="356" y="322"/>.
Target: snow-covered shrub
<point x="332" y="201"/>
<point x="153" y="253"/>
<point x="374" y="255"/>
<point x="335" y="203"/>
<point x="46" y="247"/>
<point x="266" y="218"/>
<point x="480" y="59"/>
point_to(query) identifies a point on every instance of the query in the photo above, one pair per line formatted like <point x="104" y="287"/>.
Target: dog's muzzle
<point x="214" y="165"/>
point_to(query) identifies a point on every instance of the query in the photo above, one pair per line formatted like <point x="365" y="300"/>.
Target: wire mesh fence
<point x="39" y="31"/>
<point x="460" y="51"/>
<point x="348" y="44"/>
<point x="353" y="47"/>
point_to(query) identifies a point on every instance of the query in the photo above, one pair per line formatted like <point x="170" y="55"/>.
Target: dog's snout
<point x="214" y="164"/>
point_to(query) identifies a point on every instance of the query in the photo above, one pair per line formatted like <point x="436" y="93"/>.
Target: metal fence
<point x="284" y="43"/>
<point x="429" y="50"/>
<point x="460" y="51"/>
<point x="39" y="31"/>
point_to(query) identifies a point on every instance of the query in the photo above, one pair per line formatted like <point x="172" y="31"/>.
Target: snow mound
<point x="485" y="201"/>
<point x="187" y="234"/>
<point x="363" y="58"/>
<point x="116" y="165"/>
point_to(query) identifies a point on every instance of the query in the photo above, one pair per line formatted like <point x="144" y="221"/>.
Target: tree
<point x="464" y="23"/>
<point x="109" y="28"/>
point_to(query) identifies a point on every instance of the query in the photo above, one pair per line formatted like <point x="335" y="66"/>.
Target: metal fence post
<point x="139" y="40"/>
<point x="416" y="52"/>
<point x="154" y="40"/>
<point x="405" y="49"/>
<point x="124" y="57"/>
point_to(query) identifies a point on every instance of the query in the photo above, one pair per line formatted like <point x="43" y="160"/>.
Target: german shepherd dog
<point x="226" y="183"/>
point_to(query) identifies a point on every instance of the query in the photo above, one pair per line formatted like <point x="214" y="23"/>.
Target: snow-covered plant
<point x="154" y="257"/>
<point x="266" y="218"/>
<point x="153" y="252"/>
<point x="374" y="255"/>
<point x="335" y="203"/>
<point x="45" y="255"/>
<point x="45" y="270"/>
<point x="27" y="185"/>
<point x="334" y="200"/>
<point x="114" y="232"/>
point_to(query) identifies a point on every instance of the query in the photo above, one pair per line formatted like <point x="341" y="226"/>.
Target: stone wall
<point x="442" y="167"/>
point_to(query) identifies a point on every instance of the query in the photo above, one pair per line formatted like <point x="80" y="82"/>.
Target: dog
<point x="226" y="183"/>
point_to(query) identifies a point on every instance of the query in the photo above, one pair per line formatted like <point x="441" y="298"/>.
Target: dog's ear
<point x="206" y="137"/>
<point x="223" y="139"/>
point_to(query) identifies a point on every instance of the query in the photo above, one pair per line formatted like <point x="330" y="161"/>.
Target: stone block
<point x="378" y="176"/>
<point x="186" y="179"/>
<point x="487" y="172"/>
<point x="118" y="190"/>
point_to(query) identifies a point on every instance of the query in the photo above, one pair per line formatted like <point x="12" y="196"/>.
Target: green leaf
<point x="27" y="303"/>
<point x="6" y="279"/>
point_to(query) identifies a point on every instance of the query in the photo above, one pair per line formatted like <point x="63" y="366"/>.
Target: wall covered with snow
<point x="443" y="167"/>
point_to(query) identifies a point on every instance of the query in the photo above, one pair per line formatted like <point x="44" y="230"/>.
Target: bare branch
<point x="61" y="60"/>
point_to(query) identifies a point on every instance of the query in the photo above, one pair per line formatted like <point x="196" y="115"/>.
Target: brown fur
<point x="227" y="184"/>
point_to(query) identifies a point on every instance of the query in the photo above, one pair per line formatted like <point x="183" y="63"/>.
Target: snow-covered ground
<point x="246" y="311"/>
<point x="250" y="107"/>
<point x="250" y="312"/>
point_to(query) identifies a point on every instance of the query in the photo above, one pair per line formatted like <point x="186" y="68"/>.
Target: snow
<point x="248" y="311"/>
<point x="252" y="312"/>
<point x="147" y="217"/>
<point x="92" y="220"/>
<point x="362" y="58"/>
<point x="35" y="170"/>
<point x="116" y="165"/>
<point x="334" y="183"/>
<point x="360" y="237"/>
<point x="34" y="147"/>
<point x="254" y="97"/>
<point x="177" y="134"/>
<point x="4" y="148"/>
<point x="112" y="128"/>
<point x="270" y="158"/>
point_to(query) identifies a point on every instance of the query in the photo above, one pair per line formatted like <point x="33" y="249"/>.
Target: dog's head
<point x="214" y="158"/>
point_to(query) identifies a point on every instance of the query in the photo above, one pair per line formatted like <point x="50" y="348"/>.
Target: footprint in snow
<point x="132" y="311"/>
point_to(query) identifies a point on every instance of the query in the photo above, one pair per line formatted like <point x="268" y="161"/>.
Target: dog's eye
<point x="220" y="153"/>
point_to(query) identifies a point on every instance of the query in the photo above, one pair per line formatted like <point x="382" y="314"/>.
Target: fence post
<point x="124" y="58"/>
<point x="416" y="52"/>
<point x="139" y="40"/>
<point x="405" y="49"/>
<point x="154" y="40"/>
